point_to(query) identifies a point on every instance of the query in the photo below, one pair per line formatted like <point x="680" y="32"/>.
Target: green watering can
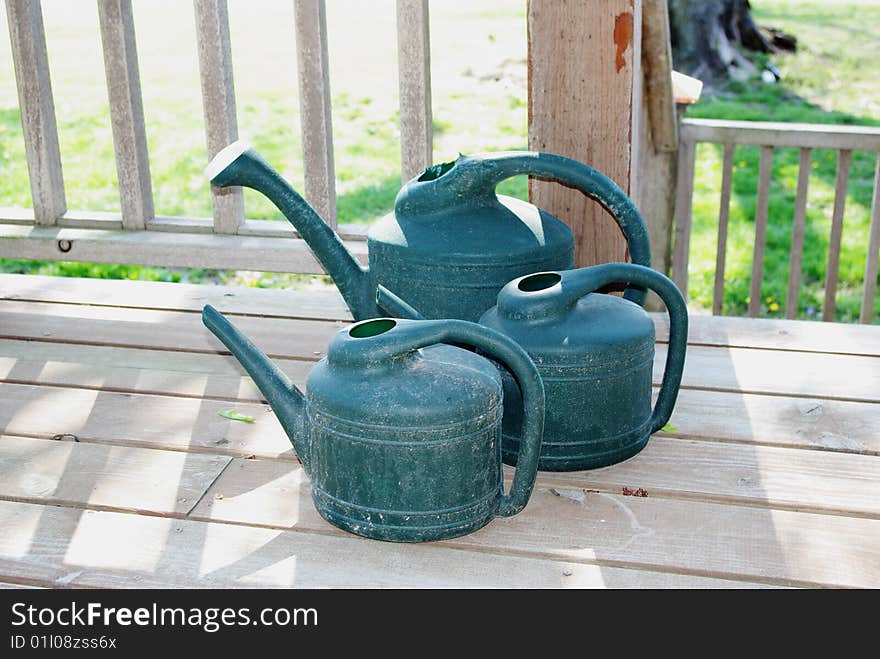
<point x="595" y="354"/>
<point x="451" y="243"/>
<point x="399" y="432"/>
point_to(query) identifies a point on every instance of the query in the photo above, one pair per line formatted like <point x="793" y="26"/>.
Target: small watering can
<point x="400" y="434"/>
<point x="451" y="242"/>
<point x="595" y="354"/>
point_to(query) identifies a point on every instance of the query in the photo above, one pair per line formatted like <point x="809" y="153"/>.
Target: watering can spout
<point x="395" y="306"/>
<point x="240" y="164"/>
<point x="286" y="400"/>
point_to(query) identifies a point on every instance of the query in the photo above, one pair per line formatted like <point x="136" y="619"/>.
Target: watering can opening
<point x="370" y="328"/>
<point x="434" y="172"/>
<point x="539" y="282"/>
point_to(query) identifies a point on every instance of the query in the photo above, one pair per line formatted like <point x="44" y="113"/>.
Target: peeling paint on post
<point x="623" y="34"/>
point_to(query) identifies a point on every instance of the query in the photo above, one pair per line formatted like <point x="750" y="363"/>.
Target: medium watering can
<point x="400" y="434"/>
<point x="595" y="354"/>
<point x="451" y="242"/>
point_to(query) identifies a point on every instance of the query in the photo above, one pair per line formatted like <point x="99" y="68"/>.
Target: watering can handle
<point x="412" y="335"/>
<point x="578" y="283"/>
<point x="592" y="183"/>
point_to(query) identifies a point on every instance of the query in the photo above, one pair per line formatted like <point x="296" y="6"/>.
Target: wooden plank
<point x="723" y="218"/>
<point x="188" y="375"/>
<point x="175" y="224"/>
<point x="760" y="133"/>
<point x="837" y="377"/>
<point x="805" y="423"/>
<point x="219" y="377"/>
<point x="797" y="235"/>
<point x="167" y="330"/>
<point x="765" y="171"/>
<point x="657" y="62"/>
<point x="181" y="409"/>
<point x="126" y="112"/>
<point x="218" y="102"/>
<point x="313" y="67"/>
<point x="775" y="334"/>
<point x="155" y="248"/>
<point x="142" y="420"/>
<point x="414" y="78"/>
<point x="321" y="304"/>
<point x="654" y="189"/>
<point x="76" y="548"/>
<point x="842" y="377"/>
<point x="121" y="478"/>
<point x="37" y="108"/>
<point x="775" y="477"/>
<point x="581" y="106"/>
<point x="833" y="266"/>
<point x="283" y="229"/>
<point x="684" y="192"/>
<point x="867" y="314"/>
<point x="6" y="585"/>
<point x="582" y="524"/>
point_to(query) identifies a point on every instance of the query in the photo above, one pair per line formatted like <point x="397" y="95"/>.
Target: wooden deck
<point x="116" y="469"/>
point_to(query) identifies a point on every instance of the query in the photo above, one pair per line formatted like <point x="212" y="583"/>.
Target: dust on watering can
<point x="595" y="353"/>
<point x="400" y="433"/>
<point x="451" y="242"/>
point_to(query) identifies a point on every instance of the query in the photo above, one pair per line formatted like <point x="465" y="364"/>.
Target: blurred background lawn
<point x="478" y="67"/>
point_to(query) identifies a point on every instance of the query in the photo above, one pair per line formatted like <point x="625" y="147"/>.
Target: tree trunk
<point x="706" y="36"/>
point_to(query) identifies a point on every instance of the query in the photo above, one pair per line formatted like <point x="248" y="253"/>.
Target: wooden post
<point x="218" y="103"/>
<point x="585" y="103"/>
<point x="126" y="112"/>
<point x="655" y="168"/>
<point x="314" y="99"/>
<point x="37" y="109"/>
<point x="414" y="71"/>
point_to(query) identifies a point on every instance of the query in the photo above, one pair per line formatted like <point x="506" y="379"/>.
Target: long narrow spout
<point x="240" y="164"/>
<point x="395" y="306"/>
<point x="286" y="400"/>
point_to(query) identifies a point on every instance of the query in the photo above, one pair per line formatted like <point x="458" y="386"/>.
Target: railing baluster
<point x="765" y="170"/>
<point x="218" y="101"/>
<point x="831" y="270"/>
<point x="126" y="112"/>
<point x="723" y="217"/>
<point x="414" y="71"/>
<point x="870" y="289"/>
<point x="797" y="235"/>
<point x="31" y="61"/>
<point x="683" y="202"/>
<point x="314" y="96"/>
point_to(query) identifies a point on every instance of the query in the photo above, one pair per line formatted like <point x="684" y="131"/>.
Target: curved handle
<point x="594" y="184"/>
<point x="577" y="283"/>
<point x="410" y="335"/>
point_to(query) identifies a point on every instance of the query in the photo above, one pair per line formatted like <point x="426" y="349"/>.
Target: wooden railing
<point x="843" y="139"/>
<point x="227" y="240"/>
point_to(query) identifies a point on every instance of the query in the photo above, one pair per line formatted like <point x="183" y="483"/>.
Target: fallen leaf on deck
<point x="235" y="416"/>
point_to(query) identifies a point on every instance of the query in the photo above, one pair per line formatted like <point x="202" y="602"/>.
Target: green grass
<point x="830" y="80"/>
<point x="479" y="103"/>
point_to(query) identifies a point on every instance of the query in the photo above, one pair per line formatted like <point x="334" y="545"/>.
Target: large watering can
<point x="595" y="354"/>
<point x="400" y="434"/>
<point x="451" y="242"/>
